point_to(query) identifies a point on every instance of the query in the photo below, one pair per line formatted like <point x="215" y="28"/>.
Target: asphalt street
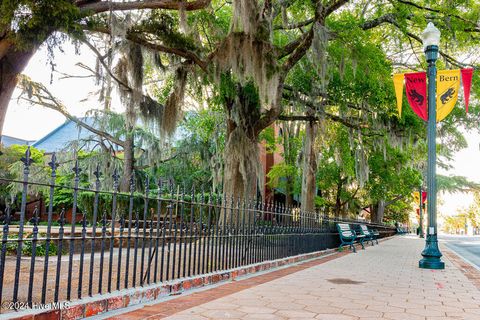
<point x="468" y="247"/>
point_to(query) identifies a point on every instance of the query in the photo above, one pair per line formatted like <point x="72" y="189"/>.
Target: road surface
<point x="468" y="247"/>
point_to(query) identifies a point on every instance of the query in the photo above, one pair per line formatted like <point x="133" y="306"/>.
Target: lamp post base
<point x="431" y="254"/>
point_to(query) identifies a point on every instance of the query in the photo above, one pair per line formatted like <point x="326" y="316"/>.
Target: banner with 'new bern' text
<point x="448" y="85"/>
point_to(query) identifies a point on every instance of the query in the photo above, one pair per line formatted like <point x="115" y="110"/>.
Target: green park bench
<point x="401" y="230"/>
<point x="369" y="235"/>
<point x="349" y="236"/>
<point x="376" y="234"/>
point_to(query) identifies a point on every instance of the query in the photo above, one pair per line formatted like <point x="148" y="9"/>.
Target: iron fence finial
<point x="53" y="164"/>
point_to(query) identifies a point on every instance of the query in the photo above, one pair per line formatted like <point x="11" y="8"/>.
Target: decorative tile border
<point x="95" y="305"/>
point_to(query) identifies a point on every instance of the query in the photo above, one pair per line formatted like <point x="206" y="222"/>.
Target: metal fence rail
<point x="124" y="240"/>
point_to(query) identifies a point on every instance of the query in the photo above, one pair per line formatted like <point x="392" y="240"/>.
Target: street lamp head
<point x="430" y="36"/>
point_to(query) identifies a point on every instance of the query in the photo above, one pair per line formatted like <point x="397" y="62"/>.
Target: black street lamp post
<point x="420" y="211"/>
<point x="431" y="254"/>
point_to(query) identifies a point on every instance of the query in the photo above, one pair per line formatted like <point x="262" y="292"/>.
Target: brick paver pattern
<point x="381" y="282"/>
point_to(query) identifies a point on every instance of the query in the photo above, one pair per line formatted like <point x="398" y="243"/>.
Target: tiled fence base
<point x="91" y="306"/>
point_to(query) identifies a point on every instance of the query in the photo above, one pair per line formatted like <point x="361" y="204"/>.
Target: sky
<point x="465" y="164"/>
<point x="33" y="122"/>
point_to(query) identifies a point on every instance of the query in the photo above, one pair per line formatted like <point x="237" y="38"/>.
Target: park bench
<point x="349" y="236"/>
<point x="376" y="234"/>
<point x="402" y="230"/>
<point x="369" y="236"/>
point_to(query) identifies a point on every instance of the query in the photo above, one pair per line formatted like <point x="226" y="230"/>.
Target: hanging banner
<point x="467" y="83"/>
<point x="448" y="83"/>
<point x="416" y="86"/>
<point x="398" y="84"/>
<point x="416" y="196"/>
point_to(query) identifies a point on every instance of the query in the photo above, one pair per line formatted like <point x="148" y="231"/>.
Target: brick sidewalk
<point x="382" y="282"/>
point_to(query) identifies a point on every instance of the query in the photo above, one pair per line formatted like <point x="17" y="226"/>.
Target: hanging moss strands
<point x="183" y="26"/>
<point x="319" y="53"/>
<point x="362" y="169"/>
<point x="247" y="51"/>
<point x="173" y="106"/>
<point x="245" y="16"/>
<point x="244" y="155"/>
<point x="249" y="59"/>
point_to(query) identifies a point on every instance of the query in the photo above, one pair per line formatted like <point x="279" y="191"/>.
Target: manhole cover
<point x="344" y="281"/>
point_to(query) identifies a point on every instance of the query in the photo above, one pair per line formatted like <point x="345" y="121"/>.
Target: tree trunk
<point x="288" y="200"/>
<point x="128" y="163"/>
<point x="11" y="65"/>
<point x="380" y="211"/>
<point x="242" y="168"/>
<point x="377" y="211"/>
<point x="338" y="202"/>
<point x="309" y="166"/>
<point x="241" y="156"/>
<point x="289" y="157"/>
<point x="128" y="151"/>
<point x="289" y="192"/>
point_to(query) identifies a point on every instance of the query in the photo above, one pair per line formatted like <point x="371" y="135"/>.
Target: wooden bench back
<point x="364" y="228"/>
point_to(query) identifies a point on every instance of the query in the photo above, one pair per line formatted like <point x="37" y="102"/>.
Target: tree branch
<point x="101" y="58"/>
<point x="5" y="45"/>
<point x="332" y="117"/>
<point x="268" y="118"/>
<point x="334" y="6"/>
<point x="299" y="51"/>
<point x="159" y="161"/>
<point x="295" y="25"/>
<point x="390" y="18"/>
<point x="189" y="55"/>
<point x="103" y="6"/>
<point x="44" y="98"/>
<point x="313" y="106"/>
<point x="370" y="24"/>
<point x="434" y="10"/>
<point x="395" y="199"/>
<point x="351" y="197"/>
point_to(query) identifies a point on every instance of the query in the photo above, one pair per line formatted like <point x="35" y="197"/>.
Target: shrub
<point x="27" y="247"/>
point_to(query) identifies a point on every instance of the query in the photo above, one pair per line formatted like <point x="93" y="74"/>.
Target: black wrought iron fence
<point x="122" y="240"/>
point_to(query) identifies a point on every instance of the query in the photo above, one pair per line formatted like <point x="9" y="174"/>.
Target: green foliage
<point x="268" y="137"/>
<point x="18" y="151"/>
<point x="32" y="21"/>
<point x="456" y="184"/>
<point x="164" y="26"/>
<point x="27" y="246"/>
<point x="351" y="85"/>
<point x="278" y="174"/>
<point x="198" y="151"/>
<point x="464" y="217"/>
<point x="12" y="168"/>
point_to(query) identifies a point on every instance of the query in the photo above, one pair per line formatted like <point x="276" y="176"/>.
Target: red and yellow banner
<point x="398" y="83"/>
<point x="467" y="83"/>
<point x="416" y="86"/>
<point x="448" y="85"/>
<point x="416" y="196"/>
